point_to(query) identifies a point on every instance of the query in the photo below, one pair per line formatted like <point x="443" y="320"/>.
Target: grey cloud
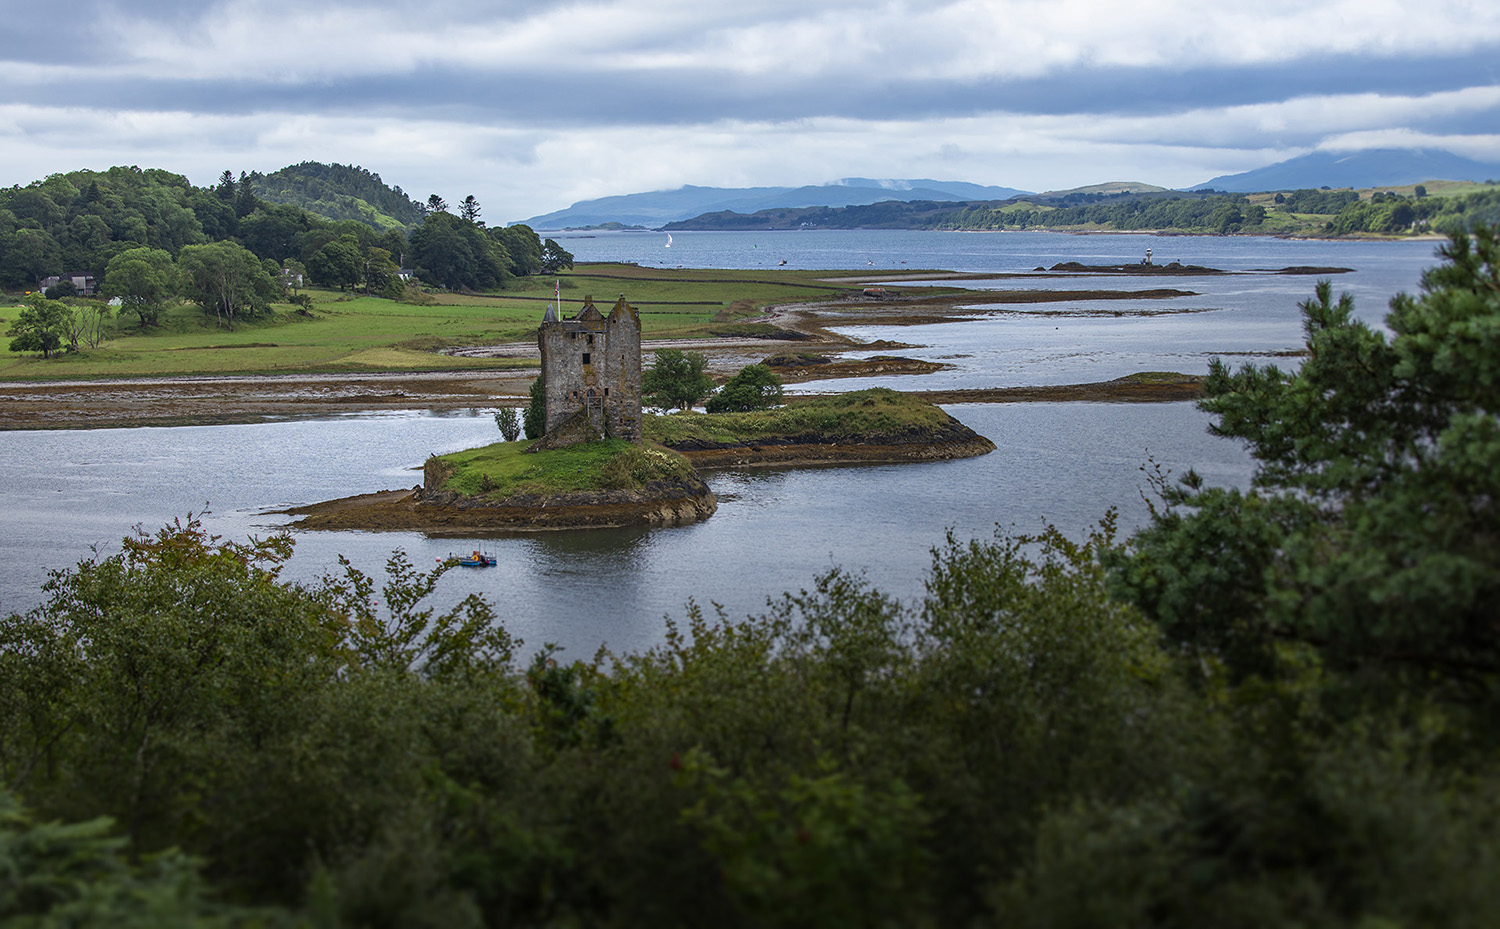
<point x="569" y="97"/>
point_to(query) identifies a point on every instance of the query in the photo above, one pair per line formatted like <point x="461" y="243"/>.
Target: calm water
<point x="67" y="494"/>
<point x="1246" y="316"/>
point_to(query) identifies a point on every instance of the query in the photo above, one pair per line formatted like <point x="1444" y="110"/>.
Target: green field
<point x="873" y="412"/>
<point x="505" y="468"/>
<point x="369" y="334"/>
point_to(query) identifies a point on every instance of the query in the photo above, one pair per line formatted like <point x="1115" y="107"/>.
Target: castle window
<point x="606" y="391"/>
<point x="585" y="357"/>
<point x="591" y="338"/>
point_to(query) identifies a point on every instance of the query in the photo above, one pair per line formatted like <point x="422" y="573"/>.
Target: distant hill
<point x="660" y="207"/>
<point x="338" y="192"/>
<point x="1381" y="167"/>
<point x="886" y="214"/>
<point x="1094" y="205"/>
<point x="1108" y="188"/>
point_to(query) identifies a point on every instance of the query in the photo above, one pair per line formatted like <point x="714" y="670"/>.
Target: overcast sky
<point x="531" y="106"/>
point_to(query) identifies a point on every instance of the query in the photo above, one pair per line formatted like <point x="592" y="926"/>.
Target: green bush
<point x="755" y="387"/>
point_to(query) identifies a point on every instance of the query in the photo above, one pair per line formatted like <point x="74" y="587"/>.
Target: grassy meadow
<point x="504" y="468"/>
<point x="346" y="333"/>
<point x="876" y="411"/>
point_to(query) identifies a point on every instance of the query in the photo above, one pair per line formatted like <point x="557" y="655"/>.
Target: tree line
<point x="1221" y="214"/>
<point x="149" y="237"/>
<point x="1275" y="705"/>
<point x="1200" y="211"/>
<point x="80" y="221"/>
<point x="1385" y="212"/>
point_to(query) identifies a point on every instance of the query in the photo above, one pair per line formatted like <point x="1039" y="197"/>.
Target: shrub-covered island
<point x="866" y="425"/>
<point x="617" y="483"/>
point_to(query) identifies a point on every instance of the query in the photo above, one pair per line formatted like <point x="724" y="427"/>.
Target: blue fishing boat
<point x="475" y="559"/>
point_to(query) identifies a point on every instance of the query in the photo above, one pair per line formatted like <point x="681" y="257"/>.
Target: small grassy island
<point x="617" y="483"/>
<point x="865" y="425"/>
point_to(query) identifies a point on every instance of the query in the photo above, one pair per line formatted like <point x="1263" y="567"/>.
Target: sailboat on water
<point x="669" y="241"/>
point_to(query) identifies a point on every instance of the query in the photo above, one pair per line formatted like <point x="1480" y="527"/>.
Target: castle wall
<point x="593" y="362"/>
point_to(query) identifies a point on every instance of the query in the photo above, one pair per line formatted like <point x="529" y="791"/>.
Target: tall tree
<point x="275" y="231"/>
<point x="469" y="209"/>
<point x="535" y="419"/>
<point x="27" y="255"/>
<point x="676" y="379"/>
<point x="41" y="326"/>
<point x="339" y="264"/>
<point x="452" y="253"/>
<point x="144" y="279"/>
<point x="436" y="204"/>
<point x="755" y="387"/>
<point x="523" y="249"/>
<point x="382" y="275"/>
<point x="1369" y="533"/>
<point x="244" y="197"/>
<point x="555" y="258"/>
<point x="225" y="279"/>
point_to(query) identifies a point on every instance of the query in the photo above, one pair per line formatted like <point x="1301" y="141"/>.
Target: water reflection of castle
<point x="591" y="373"/>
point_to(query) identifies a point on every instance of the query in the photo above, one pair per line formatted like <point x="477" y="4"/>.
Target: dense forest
<point x="1303" y="212"/>
<point x="1384" y="212"/>
<point x="339" y="192"/>
<point x="1273" y="706"/>
<point x="148" y="236"/>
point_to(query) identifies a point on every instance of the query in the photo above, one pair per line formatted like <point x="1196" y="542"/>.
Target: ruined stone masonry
<point x="591" y="372"/>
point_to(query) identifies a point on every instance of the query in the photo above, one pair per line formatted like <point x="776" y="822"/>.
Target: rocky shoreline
<point x="441" y="512"/>
<point x="953" y="441"/>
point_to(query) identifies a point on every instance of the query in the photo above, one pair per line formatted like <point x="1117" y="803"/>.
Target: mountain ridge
<point x="1376" y="167"/>
<point x="657" y="208"/>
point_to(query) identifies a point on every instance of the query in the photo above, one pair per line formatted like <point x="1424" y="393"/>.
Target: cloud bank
<point x="530" y="106"/>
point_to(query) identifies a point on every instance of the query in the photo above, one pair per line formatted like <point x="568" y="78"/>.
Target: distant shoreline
<point x="793" y="330"/>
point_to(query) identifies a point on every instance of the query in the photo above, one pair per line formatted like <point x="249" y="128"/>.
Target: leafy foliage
<point x="83" y="220"/>
<point x="869" y="413"/>
<point x="522" y="247"/>
<point x="1274" y="706"/>
<point x="336" y="192"/>
<point x="144" y="279"/>
<point x="676" y="379"/>
<point x="41" y="326"/>
<point x="535" y="419"/>
<point x="77" y="874"/>
<point x="1369" y="532"/>
<point x="226" y="280"/>
<point x="339" y="264"/>
<point x="452" y="252"/>
<point x="508" y="421"/>
<point x="1015" y="747"/>
<point x="1217" y="214"/>
<point x="755" y="387"/>
<point x="555" y="258"/>
<point x="78" y="221"/>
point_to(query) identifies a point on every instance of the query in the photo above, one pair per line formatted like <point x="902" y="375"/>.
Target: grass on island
<point x="369" y="334"/>
<point x="874" y="412"/>
<point x="505" y="468"/>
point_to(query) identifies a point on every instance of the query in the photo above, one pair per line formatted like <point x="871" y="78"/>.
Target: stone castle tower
<point x="591" y="373"/>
